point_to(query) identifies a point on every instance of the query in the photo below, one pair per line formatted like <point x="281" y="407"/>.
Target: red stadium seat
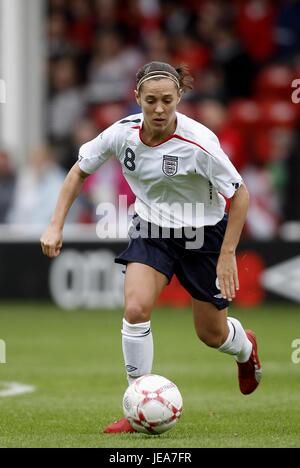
<point x="245" y="114"/>
<point x="245" y="117"/>
<point x="274" y="82"/>
<point x="255" y="24"/>
<point x="262" y="146"/>
<point x="187" y="108"/>
<point x="279" y="114"/>
<point x="105" y="115"/>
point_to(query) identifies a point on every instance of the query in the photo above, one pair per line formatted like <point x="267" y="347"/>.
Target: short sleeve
<point x="218" y="168"/>
<point x="95" y="152"/>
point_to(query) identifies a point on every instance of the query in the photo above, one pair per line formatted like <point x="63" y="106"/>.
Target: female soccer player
<point x="180" y="176"/>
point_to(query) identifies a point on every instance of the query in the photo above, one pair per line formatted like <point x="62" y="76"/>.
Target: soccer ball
<point x="152" y="404"/>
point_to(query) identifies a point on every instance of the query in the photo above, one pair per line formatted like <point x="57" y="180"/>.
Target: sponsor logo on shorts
<point x="218" y="296"/>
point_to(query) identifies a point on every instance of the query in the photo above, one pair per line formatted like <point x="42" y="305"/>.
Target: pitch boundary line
<point x="14" y="389"/>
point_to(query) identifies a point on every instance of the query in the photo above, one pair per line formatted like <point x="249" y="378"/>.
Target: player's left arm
<point x="227" y="268"/>
<point x="215" y="165"/>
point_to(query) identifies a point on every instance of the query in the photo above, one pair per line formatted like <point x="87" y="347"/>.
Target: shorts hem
<point x="125" y="262"/>
<point x="219" y="305"/>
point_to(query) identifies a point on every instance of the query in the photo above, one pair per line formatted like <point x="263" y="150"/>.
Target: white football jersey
<point x="170" y="180"/>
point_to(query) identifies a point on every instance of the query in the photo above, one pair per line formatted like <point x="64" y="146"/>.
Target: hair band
<point x="158" y="74"/>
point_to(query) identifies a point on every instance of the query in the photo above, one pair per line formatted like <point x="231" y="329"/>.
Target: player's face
<point x="158" y="100"/>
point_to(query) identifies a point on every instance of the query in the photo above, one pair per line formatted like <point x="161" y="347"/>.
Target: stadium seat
<point x="245" y="114"/>
<point x="188" y="108"/>
<point x="105" y="115"/>
<point x="245" y="117"/>
<point x="279" y="113"/>
<point x="274" y="82"/>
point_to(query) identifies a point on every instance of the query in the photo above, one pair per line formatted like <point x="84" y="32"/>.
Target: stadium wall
<point x="85" y="275"/>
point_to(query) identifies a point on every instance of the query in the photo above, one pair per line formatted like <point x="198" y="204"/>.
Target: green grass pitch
<point x="74" y="360"/>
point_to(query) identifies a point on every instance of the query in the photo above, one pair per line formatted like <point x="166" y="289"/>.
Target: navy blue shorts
<point x="194" y="268"/>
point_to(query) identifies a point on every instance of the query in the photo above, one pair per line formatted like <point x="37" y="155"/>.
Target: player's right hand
<point x="51" y="242"/>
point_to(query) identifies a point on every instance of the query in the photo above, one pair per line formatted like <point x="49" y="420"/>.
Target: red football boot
<point x="119" y="426"/>
<point x="250" y="371"/>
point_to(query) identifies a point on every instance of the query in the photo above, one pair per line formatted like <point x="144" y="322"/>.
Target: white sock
<point x="137" y="344"/>
<point x="237" y="342"/>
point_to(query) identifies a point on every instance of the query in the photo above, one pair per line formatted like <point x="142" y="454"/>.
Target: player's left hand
<point x="227" y="274"/>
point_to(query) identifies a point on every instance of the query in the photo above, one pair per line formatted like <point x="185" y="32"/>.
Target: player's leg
<point x="143" y="285"/>
<point x="227" y="335"/>
<point x="210" y="323"/>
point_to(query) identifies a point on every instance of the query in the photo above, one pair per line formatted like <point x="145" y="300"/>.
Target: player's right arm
<point x="52" y="239"/>
<point x="92" y="155"/>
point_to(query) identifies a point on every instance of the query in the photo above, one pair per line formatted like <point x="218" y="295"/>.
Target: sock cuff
<point x="230" y="337"/>
<point x="136" y="329"/>
<point x="237" y="342"/>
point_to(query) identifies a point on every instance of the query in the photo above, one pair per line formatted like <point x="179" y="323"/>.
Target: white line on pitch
<point x="14" y="389"/>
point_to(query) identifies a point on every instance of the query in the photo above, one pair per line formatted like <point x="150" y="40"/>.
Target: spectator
<point x="95" y="46"/>
<point x="187" y="50"/>
<point x="81" y="31"/>
<point x="288" y="29"/>
<point x="210" y="17"/>
<point x="66" y="104"/>
<point x="235" y="63"/>
<point x="84" y="131"/>
<point x="214" y="115"/>
<point x="7" y="185"/>
<point x="36" y="190"/>
<point x="255" y="22"/>
<point x="58" y="44"/>
<point x="111" y="70"/>
<point x="156" y="47"/>
<point x="176" y="17"/>
<point x="106" y="15"/>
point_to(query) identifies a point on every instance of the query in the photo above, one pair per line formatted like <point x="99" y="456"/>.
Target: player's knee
<point x="137" y="313"/>
<point x="212" y="339"/>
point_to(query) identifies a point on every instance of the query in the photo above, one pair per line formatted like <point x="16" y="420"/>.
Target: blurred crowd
<point x="244" y="56"/>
